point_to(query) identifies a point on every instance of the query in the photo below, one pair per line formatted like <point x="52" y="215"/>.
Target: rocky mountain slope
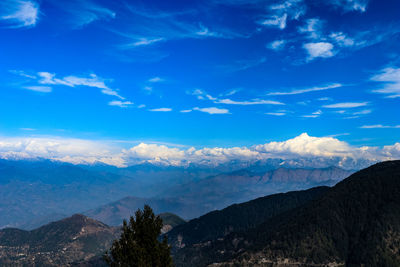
<point x="62" y="243"/>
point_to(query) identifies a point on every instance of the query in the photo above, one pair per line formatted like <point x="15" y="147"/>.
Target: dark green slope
<point x="171" y="219"/>
<point x="356" y="223"/>
<point x="238" y="217"/>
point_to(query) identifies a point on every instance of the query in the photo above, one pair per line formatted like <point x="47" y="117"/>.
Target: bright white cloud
<point x="161" y="109"/>
<point x="390" y="79"/>
<point x="74" y="151"/>
<point x="212" y="110"/>
<point x="19" y="13"/>
<point x="346" y="105"/>
<point x="121" y="104"/>
<point x="320" y="49"/>
<point x="42" y="89"/>
<point x="303" y="150"/>
<point x="307" y="90"/>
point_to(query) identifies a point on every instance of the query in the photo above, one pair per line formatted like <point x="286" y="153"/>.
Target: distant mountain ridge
<point x="33" y="193"/>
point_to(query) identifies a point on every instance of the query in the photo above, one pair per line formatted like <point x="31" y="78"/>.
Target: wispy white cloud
<point x="312" y="28"/>
<point x="228" y="101"/>
<point x="161" y="109"/>
<point x="362" y="112"/>
<point x="42" y="89"/>
<point x="349" y="5"/>
<point x="276" y="113"/>
<point x="186" y="111"/>
<point x="342" y="39"/>
<point x="281" y="12"/>
<point x="150" y="26"/>
<point x="241" y="65"/>
<point x="156" y="80"/>
<point x="307" y="90"/>
<point x="82" y="13"/>
<point x="320" y="49"/>
<point x="275" y="20"/>
<point x="277" y="45"/>
<point x="212" y="110"/>
<point x="380" y="126"/>
<point x="19" y="13"/>
<point x="390" y="79"/>
<point x="315" y="114"/>
<point x="202" y="95"/>
<point x="121" y="104"/>
<point x="71" y="81"/>
<point x="324" y="99"/>
<point x="145" y="41"/>
<point x="346" y="105"/>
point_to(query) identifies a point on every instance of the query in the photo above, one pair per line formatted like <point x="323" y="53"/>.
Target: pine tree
<point x="139" y="245"/>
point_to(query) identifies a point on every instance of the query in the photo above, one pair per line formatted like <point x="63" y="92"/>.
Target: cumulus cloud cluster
<point x="328" y="150"/>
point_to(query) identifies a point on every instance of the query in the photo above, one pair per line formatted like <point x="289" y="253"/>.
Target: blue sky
<point x="201" y="73"/>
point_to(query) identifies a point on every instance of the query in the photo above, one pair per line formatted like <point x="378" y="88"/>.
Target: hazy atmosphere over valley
<point x="191" y="106"/>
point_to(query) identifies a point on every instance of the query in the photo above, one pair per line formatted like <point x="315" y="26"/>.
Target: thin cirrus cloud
<point x="346" y="105"/>
<point x="19" y="13"/>
<point x="228" y="101"/>
<point x="143" y="41"/>
<point x="161" y="109"/>
<point x="380" y="126"/>
<point x="242" y="65"/>
<point x="280" y="13"/>
<point x="277" y="45"/>
<point x="390" y="80"/>
<point x="312" y="28"/>
<point x="45" y="79"/>
<point x="350" y="5"/>
<point x="41" y="89"/>
<point x="202" y="95"/>
<point x="315" y="114"/>
<point x="307" y="90"/>
<point x="145" y="27"/>
<point x="82" y="13"/>
<point x="212" y="110"/>
<point x="156" y="80"/>
<point x="71" y="81"/>
<point x="121" y="104"/>
<point x="276" y="113"/>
